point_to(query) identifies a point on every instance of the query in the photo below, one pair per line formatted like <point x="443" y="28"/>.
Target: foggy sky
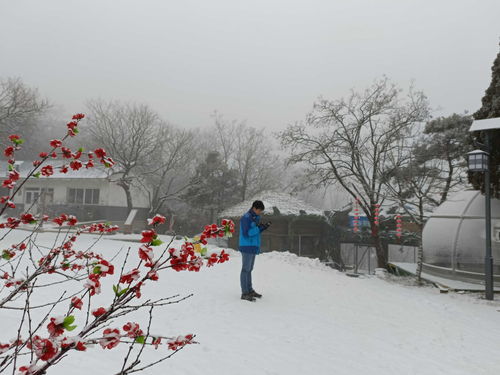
<point x="265" y="61"/>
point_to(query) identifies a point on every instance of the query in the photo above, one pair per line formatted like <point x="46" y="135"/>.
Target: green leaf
<point x="203" y="251"/>
<point x="6" y="255"/>
<point x="140" y="339"/>
<point x="68" y="321"/>
<point x="11" y="167"/>
<point x="119" y="292"/>
<point x="81" y="149"/>
<point x="97" y="270"/>
<point x="156" y="242"/>
<point x="37" y="174"/>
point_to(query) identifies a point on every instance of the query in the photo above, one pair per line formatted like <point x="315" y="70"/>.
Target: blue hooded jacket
<point x="250" y="233"/>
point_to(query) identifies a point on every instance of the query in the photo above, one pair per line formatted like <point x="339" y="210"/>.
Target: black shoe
<point x="254" y="294"/>
<point x="248" y="297"/>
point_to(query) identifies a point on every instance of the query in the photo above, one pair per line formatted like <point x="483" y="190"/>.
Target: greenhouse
<point x="454" y="238"/>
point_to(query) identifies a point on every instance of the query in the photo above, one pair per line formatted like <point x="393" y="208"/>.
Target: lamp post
<point x="478" y="161"/>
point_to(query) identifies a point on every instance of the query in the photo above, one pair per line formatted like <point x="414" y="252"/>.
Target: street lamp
<point x="478" y="161"/>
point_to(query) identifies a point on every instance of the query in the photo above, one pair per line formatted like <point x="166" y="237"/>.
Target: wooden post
<point x="290" y="235"/>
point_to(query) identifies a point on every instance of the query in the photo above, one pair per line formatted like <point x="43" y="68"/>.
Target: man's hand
<point x="265" y="226"/>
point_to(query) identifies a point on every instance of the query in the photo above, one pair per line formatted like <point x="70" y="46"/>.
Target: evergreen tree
<point x="214" y="186"/>
<point x="491" y="108"/>
<point x="442" y="149"/>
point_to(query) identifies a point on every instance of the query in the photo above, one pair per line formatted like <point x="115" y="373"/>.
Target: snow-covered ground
<point x="311" y="320"/>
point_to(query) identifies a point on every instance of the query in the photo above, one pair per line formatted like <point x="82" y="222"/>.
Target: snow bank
<point x="311" y="320"/>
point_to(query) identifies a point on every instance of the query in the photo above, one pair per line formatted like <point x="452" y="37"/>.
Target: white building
<point x="90" y="194"/>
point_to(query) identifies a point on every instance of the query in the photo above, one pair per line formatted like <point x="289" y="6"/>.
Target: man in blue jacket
<point x="250" y="230"/>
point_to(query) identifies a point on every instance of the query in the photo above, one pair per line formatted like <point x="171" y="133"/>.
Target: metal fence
<point x="362" y="258"/>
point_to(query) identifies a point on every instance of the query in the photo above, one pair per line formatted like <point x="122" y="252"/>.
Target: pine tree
<point x="214" y="187"/>
<point x="490" y="109"/>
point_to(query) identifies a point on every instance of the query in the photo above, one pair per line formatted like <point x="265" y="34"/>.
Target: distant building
<point x="89" y="194"/>
<point x="296" y="226"/>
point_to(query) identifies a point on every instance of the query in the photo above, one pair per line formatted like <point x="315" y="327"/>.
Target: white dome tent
<point x="454" y="238"/>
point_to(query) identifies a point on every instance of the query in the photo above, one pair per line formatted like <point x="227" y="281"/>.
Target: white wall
<point x="110" y="194"/>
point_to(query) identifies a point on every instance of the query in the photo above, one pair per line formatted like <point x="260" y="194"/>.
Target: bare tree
<point x="130" y="133"/>
<point x="170" y="168"/>
<point x="19" y="105"/>
<point x="250" y="151"/>
<point x="348" y="142"/>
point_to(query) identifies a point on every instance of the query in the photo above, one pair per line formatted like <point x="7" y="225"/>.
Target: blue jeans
<point x="248" y="260"/>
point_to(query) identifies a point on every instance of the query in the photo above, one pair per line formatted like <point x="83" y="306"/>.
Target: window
<point x="83" y="196"/>
<point x="38" y="195"/>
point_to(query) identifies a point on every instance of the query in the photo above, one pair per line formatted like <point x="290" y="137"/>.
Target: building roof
<point x="24" y="167"/>
<point x="285" y="203"/>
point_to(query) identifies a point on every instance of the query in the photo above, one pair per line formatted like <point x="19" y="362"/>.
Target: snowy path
<point x="312" y="320"/>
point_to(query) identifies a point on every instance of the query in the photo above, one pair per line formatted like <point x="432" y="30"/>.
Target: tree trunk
<point x="379" y="247"/>
<point x="128" y="194"/>
<point x="420" y="259"/>
<point x="381" y="256"/>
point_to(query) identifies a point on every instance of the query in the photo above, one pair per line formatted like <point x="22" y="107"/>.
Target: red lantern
<point x="356" y="216"/>
<point x="399" y="225"/>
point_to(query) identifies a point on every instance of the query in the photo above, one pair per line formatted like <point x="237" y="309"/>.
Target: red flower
<point x="64" y="169"/>
<point x="55" y="143"/>
<point x="99" y="312"/>
<point x="89" y="164"/>
<point x="55" y="327"/>
<point x="76" y="165"/>
<point x="128" y="277"/>
<point x="77" y="303"/>
<point x="212" y="260"/>
<point x="78" y="116"/>
<point x="14" y="137"/>
<point x="27" y="219"/>
<point x="9" y="151"/>
<point x="4" y="348"/>
<point x="223" y="257"/>
<point x="14" y="175"/>
<point x="80" y="346"/>
<point x="157" y="220"/>
<point x="133" y="330"/>
<point x="105" y="268"/>
<point x="43" y="155"/>
<point x="156" y="341"/>
<point x="48" y="170"/>
<point x="100" y="153"/>
<point x="111" y="338"/>
<point x="148" y="236"/>
<point x="44" y="349"/>
<point x="146" y="254"/>
<point x="66" y="153"/>
<point x="72" y="125"/>
<point x="93" y="284"/>
<point x="180" y="341"/>
<point x="108" y="162"/>
<point x="153" y="275"/>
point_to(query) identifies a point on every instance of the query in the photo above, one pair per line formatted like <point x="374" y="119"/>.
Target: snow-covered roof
<point x="24" y="167"/>
<point x="285" y="203"/>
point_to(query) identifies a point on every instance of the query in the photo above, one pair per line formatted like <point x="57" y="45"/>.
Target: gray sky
<point x="265" y="61"/>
